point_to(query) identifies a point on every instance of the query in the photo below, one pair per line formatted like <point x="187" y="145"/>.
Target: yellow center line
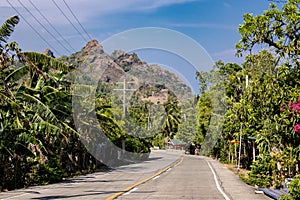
<point x="145" y="180"/>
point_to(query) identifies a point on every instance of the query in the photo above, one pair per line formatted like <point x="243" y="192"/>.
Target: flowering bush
<point x="297" y="128"/>
<point x="295" y="107"/>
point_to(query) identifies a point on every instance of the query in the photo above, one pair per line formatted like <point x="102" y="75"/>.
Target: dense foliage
<point x="265" y="110"/>
<point x="38" y="142"/>
<point x="293" y="190"/>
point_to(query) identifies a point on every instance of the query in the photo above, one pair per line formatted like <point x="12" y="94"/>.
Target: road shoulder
<point x="232" y="185"/>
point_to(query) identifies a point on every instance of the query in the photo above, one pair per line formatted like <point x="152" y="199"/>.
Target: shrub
<point x="261" y="172"/>
<point x="294" y="190"/>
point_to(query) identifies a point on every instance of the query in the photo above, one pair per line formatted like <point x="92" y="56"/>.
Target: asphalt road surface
<point x="168" y="174"/>
<point x="191" y="179"/>
<point x="100" y="185"/>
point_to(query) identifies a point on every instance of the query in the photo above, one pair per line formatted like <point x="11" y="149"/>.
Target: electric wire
<point x="69" y="20"/>
<point x="53" y="36"/>
<point x="50" y="46"/>
<point x="77" y="20"/>
<point x="53" y="27"/>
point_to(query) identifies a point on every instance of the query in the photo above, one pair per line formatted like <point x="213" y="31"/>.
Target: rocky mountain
<point x="94" y="61"/>
<point x="120" y="66"/>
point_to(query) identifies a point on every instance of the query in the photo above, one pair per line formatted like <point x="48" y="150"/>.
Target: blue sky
<point x="211" y="23"/>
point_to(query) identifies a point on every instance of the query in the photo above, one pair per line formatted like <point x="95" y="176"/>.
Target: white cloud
<point x="87" y="12"/>
<point x="227" y="5"/>
<point x="156" y="3"/>
<point x="204" y="25"/>
<point x="86" y="9"/>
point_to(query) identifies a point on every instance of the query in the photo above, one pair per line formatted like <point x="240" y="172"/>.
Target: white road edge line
<point x="12" y="197"/>
<point x="24" y="194"/>
<point x="217" y="183"/>
<point x="132" y="190"/>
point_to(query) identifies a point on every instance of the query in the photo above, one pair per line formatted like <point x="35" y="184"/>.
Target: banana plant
<point x="35" y="112"/>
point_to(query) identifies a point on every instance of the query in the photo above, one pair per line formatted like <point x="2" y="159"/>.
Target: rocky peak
<point x="93" y="46"/>
<point x="117" y="54"/>
<point x="48" y="52"/>
<point x="112" y="68"/>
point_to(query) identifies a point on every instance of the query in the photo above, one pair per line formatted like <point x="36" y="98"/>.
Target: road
<point x="168" y="174"/>
<point x="192" y="179"/>
<point x="99" y="185"/>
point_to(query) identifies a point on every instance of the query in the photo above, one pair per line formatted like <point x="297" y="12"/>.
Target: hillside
<point x="113" y="68"/>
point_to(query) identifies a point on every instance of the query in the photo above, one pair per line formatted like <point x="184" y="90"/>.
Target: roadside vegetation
<point x="39" y="143"/>
<point x="262" y="99"/>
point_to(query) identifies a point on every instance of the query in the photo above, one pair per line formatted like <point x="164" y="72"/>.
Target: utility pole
<point x="240" y="148"/>
<point x="241" y="131"/>
<point x="124" y="89"/>
<point x="148" y="118"/>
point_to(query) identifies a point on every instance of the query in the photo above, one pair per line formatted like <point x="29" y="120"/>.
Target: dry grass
<point x="243" y="172"/>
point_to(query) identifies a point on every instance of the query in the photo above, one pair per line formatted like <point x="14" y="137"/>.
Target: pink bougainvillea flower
<point x="299" y="101"/>
<point x="296" y="107"/>
<point x="282" y="108"/>
<point x="297" y="128"/>
<point x="291" y="104"/>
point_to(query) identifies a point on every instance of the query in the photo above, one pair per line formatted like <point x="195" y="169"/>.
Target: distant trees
<point x="187" y="129"/>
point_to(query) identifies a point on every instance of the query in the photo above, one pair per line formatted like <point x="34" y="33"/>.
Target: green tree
<point x="172" y="119"/>
<point x="278" y="29"/>
<point x="260" y="111"/>
<point x="187" y="129"/>
<point x="273" y="85"/>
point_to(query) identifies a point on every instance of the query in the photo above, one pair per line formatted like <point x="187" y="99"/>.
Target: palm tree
<point x="172" y="117"/>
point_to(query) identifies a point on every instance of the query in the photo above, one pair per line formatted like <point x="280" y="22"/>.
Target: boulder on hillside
<point x="48" y="52"/>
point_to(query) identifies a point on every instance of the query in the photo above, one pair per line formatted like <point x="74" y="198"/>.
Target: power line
<point x="53" y="27"/>
<point x="69" y="20"/>
<point x="34" y="29"/>
<point x="44" y="27"/>
<point x="77" y="19"/>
